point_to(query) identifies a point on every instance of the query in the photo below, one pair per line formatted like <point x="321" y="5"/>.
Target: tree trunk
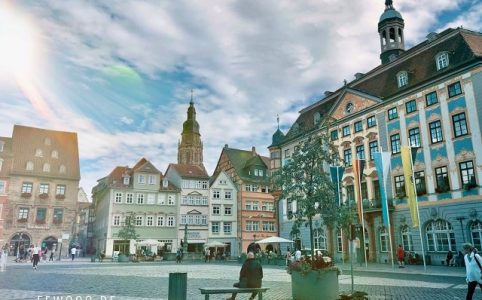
<point x="312" y="244"/>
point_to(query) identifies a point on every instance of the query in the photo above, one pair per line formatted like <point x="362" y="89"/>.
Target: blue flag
<point x="382" y="163"/>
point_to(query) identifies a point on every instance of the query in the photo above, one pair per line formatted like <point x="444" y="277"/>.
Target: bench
<point x="229" y="290"/>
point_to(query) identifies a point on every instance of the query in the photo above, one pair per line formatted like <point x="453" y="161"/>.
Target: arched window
<point x="319" y="238"/>
<point x="476" y="234"/>
<point x="38" y="152"/>
<point x="402" y="78"/>
<point x="55" y="154"/>
<point x="406" y="239"/>
<point x="47" y="141"/>
<point x="62" y="169"/>
<point x="383" y="239"/>
<point x="46" y="167"/>
<point x="29" y="166"/>
<point x="440" y="236"/>
<point x="442" y="60"/>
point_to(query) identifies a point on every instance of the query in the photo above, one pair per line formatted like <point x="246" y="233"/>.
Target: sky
<point x="120" y="73"/>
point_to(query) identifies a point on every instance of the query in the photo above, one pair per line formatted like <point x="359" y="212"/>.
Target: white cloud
<point x="247" y="61"/>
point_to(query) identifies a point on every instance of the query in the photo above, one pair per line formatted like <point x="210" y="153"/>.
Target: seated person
<point x="250" y="276"/>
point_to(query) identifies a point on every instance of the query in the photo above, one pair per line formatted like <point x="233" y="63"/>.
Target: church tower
<point x="190" y="149"/>
<point x="390" y="28"/>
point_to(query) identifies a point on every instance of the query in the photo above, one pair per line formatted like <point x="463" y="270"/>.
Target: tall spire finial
<point x="388" y="4"/>
<point x="192" y="101"/>
<point x="277" y="120"/>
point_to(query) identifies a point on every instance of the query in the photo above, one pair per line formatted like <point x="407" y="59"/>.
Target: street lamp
<point x="254" y="236"/>
<point x="461" y="219"/>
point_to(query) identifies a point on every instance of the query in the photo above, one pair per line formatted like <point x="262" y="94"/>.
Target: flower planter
<point x="315" y="285"/>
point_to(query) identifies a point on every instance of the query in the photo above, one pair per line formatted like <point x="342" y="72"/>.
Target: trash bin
<point x="177" y="286"/>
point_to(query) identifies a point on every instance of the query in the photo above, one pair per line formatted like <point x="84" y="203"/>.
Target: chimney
<point x="432" y="36"/>
<point x="225" y="146"/>
<point x="359" y="75"/>
<point x="253" y="151"/>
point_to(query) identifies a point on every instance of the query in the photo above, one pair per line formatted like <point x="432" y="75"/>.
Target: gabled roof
<point x="145" y="166"/>
<point x="191" y="171"/>
<point x="464" y="48"/>
<point x="242" y="160"/>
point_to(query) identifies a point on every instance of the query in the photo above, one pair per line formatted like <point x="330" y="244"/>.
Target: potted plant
<point x="305" y="181"/>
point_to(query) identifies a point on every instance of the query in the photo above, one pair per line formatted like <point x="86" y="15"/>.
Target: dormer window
<point x="402" y="78"/>
<point x="126" y="179"/>
<point x="29" y="166"/>
<point x="38" y="152"/>
<point x="442" y="60"/>
<point x="316" y="118"/>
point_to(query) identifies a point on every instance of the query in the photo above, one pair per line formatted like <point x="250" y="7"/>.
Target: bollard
<point x="177" y="286"/>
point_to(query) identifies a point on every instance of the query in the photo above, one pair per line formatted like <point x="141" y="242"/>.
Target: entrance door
<point x="50" y="243"/>
<point x="19" y="243"/>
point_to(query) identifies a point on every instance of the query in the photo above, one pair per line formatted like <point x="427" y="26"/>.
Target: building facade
<point x="140" y="196"/>
<point x="223" y="208"/>
<point x="429" y="97"/>
<point x="256" y="214"/>
<point x="40" y="174"/>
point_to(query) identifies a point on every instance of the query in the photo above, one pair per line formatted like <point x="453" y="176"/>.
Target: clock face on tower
<point x="349" y="108"/>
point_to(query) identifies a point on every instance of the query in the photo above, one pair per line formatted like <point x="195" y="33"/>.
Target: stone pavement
<point x="82" y="280"/>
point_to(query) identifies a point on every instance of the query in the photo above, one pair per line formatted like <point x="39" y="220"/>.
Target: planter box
<point x="315" y="285"/>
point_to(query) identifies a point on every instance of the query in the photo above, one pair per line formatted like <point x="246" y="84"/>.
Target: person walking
<point x="73" y="251"/>
<point x="35" y="256"/>
<point x="3" y="258"/>
<point x="207" y="254"/>
<point x="52" y="253"/>
<point x="298" y="255"/>
<point x="250" y="276"/>
<point x="473" y="268"/>
<point x="401" y="257"/>
<point x="449" y="258"/>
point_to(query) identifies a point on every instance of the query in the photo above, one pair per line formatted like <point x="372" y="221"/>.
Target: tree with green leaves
<point x="128" y="230"/>
<point x="305" y="180"/>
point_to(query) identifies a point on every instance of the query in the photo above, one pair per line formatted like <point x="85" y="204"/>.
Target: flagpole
<point x="339" y="204"/>
<point x="362" y="217"/>
<point x="416" y="205"/>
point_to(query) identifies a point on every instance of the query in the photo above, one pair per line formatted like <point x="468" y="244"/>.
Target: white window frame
<point x="215" y="227"/>
<point x="407" y="243"/>
<point x="44" y="188"/>
<point x="151" y="198"/>
<point x="151" y="179"/>
<point x="29" y="166"/>
<point x="160" y="221"/>
<point x="442" y="60"/>
<point x="3" y="186"/>
<point x="141" y="179"/>
<point x="116" y="220"/>
<point x="139" y="221"/>
<point x="402" y="79"/>
<point x="161" y="199"/>
<point x="46" y="167"/>
<point x="171" y="221"/>
<point x="227" y="227"/>
<point x="140" y="198"/>
<point x="383" y="239"/>
<point x="319" y="239"/>
<point x="216" y="210"/>
<point x="228" y="210"/>
<point x="150" y="221"/>
<point x="54" y="154"/>
<point x="171" y="200"/>
<point x="228" y="195"/>
<point x="118" y="197"/>
<point x="126" y="180"/>
<point x="129" y="198"/>
<point x="216" y="194"/>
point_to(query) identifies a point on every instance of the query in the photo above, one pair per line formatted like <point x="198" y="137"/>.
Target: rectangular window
<point x="216" y="210"/>
<point x="360" y="152"/>
<point x="140" y="198"/>
<point x="350" y="192"/>
<point x="268" y="226"/>
<point x="376" y="189"/>
<point x="118" y="198"/>
<point x="171" y="221"/>
<point x="346" y="130"/>
<point x="252" y="226"/>
<point x="411" y="106"/>
<point x="22" y="214"/>
<point x="228" y="195"/>
<point x="347" y="157"/>
<point x="395" y="143"/>
<point x="460" y="125"/>
<point x="392" y="113"/>
<point x="116" y="221"/>
<point x="215" y="227"/>
<point x="227" y="227"/>
<point x="2" y="187"/>
<point x="267" y="206"/>
<point x="467" y="172"/>
<point x="228" y="210"/>
<point x="141" y="179"/>
<point x="151" y="179"/>
<point x="373" y="148"/>
<point x="436" y="132"/>
<point x="139" y="220"/>
<point x="400" y="186"/>
<point x="420" y="183"/>
<point x="151" y="198"/>
<point x="442" y="180"/>
<point x="358" y="126"/>
<point x="129" y="198"/>
<point x="414" y="137"/>
<point x="58" y="215"/>
<point x="41" y="215"/>
<point x="160" y="221"/>
<point x="371" y="122"/>
<point x="334" y="135"/>
<point x="44" y="188"/>
<point x="27" y="187"/>
<point x="287" y="153"/>
<point x="431" y="98"/>
<point x="216" y="194"/>
<point x="150" y="221"/>
<point x="171" y="200"/>
<point x="454" y="89"/>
